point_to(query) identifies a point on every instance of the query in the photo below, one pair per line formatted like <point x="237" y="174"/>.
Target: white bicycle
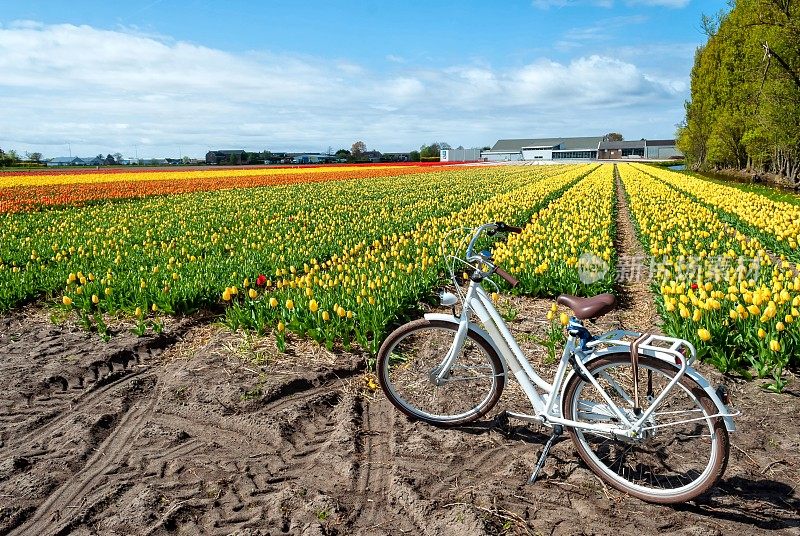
<point x="639" y="415"/>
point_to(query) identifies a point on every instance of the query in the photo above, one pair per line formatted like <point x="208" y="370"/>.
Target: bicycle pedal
<point x="502" y="424"/>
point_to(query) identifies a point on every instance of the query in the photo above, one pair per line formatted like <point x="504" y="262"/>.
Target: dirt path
<point x="637" y="310"/>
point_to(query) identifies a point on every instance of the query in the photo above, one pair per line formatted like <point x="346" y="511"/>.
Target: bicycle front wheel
<point x="408" y="363"/>
<point x="683" y="449"/>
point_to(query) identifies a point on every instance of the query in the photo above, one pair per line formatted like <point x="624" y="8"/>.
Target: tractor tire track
<point x="109" y="453"/>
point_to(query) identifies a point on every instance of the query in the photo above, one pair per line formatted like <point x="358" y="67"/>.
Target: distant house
<point x="227" y="156"/>
<point x="93" y="161"/>
<point x="65" y="161"/>
<point x="396" y="157"/>
<point x="611" y="150"/>
<point x="313" y="158"/>
<point x="372" y="156"/>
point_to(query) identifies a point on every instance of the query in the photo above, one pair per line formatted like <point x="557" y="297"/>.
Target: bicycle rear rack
<point x="668" y="349"/>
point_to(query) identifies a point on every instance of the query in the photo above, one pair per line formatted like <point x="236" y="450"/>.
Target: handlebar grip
<point x="504" y="228"/>
<point x="510" y="279"/>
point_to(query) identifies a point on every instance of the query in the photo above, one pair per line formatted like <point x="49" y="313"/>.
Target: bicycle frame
<point x="547" y="404"/>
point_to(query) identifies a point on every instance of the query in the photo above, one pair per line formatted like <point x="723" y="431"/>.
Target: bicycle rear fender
<point x="691" y="372"/>
<point x="475" y="329"/>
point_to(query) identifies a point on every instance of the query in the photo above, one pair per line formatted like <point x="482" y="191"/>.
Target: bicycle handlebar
<point x="510" y="279"/>
<point x="492" y="228"/>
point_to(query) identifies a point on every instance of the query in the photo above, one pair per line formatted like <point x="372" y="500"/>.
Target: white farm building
<point x="578" y="148"/>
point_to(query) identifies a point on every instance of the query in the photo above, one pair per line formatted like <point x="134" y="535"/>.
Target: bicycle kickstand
<point x="557" y="431"/>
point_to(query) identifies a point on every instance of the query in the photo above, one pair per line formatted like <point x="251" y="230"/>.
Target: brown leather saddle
<point x="585" y="308"/>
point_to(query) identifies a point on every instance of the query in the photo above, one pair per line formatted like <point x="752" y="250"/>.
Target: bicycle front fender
<point x="475" y="329"/>
<point x="724" y="411"/>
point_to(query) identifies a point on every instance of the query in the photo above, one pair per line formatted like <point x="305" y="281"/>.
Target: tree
<point x="118" y="158"/>
<point x="34" y="157"/>
<point x="109" y="160"/>
<point x="358" y="149"/>
<point x="613" y="136"/>
<point x="745" y="91"/>
<point x="434" y="150"/>
<point x="414" y="156"/>
<point x="9" y="158"/>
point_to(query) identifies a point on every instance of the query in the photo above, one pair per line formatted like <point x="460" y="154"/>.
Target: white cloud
<point x="110" y="90"/>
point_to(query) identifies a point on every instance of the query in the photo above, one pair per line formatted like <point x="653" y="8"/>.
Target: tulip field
<point x="338" y="254"/>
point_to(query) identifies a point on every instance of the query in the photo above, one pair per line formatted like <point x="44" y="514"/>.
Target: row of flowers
<point x="739" y="319"/>
<point x="553" y="252"/>
<point x="776" y="221"/>
<point x="78" y="190"/>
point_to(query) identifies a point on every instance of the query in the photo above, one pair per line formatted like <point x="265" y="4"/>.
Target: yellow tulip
<point x="252" y="293"/>
<point x="281" y="326"/>
<point x="66" y="300"/>
<point x="704" y="334"/>
<point x="154" y="308"/>
<point x="226" y="294"/>
<point x="313" y="306"/>
<point x="273" y="302"/>
<point x="95" y="299"/>
<point x="564" y="319"/>
<point x="761" y="333"/>
<point x="780" y="326"/>
<point x="325" y="316"/>
<point x="774" y="345"/>
<point x="138" y="312"/>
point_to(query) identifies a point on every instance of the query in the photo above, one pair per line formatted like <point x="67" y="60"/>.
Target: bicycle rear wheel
<point x="683" y="450"/>
<point x="409" y="358"/>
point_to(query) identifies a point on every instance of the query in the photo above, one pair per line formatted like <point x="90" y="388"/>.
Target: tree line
<point x="744" y="110"/>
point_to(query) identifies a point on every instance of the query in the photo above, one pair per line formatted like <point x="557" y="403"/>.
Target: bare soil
<point x="199" y="430"/>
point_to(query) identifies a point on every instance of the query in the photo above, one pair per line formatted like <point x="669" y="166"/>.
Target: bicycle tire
<point x="396" y="388"/>
<point x="686" y="392"/>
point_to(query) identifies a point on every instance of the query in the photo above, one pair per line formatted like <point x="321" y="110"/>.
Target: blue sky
<point x="158" y="77"/>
